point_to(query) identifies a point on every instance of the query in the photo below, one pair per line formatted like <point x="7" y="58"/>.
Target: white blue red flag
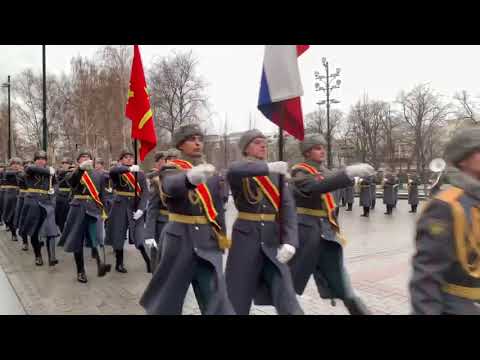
<point x="281" y="88"/>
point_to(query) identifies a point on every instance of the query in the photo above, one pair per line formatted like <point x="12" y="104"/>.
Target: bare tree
<point x="316" y="122"/>
<point x="177" y="92"/>
<point x="466" y="107"/>
<point x="424" y="112"/>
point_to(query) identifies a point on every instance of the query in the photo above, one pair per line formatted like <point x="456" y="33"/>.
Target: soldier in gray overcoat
<point x="38" y="210"/>
<point x="128" y="210"/>
<point x="373" y="190"/>
<point x="389" y="184"/>
<point x="413" y="183"/>
<point x="63" y="193"/>
<point x="257" y="262"/>
<point x="192" y="243"/>
<point x="157" y="212"/>
<point x="84" y="225"/>
<point x="22" y="191"/>
<point x="320" y="252"/>
<point x="10" y="187"/>
<point x="445" y="278"/>
<point x="350" y="195"/>
<point x="365" y="195"/>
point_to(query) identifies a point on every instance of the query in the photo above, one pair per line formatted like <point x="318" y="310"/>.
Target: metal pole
<point x="9" y="122"/>
<point x="45" y="129"/>
<point x="329" y="149"/>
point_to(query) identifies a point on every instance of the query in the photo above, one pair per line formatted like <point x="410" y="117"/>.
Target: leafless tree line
<point x="86" y="107"/>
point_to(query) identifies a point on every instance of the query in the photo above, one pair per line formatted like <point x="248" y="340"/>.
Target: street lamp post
<point x="326" y="79"/>
<point x="45" y="129"/>
<point x="9" y="151"/>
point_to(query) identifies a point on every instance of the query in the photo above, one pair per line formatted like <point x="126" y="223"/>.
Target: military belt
<point x="22" y="191"/>
<point x="38" y="191"/>
<point x="82" y="197"/>
<point x="256" y="217"/>
<point x="125" y="193"/>
<point x="365" y="186"/>
<point x="188" y="219"/>
<point x="462" y="291"/>
<point x="164" y="212"/>
<point x="312" y="212"/>
<point x="9" y="187"/>
<point x="64" y="189"/>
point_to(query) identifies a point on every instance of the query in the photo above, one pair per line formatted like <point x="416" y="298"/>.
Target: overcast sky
<point x="233" y="72"/>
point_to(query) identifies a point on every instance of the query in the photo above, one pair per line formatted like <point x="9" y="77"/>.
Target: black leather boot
<point x="146" y="259"/>
<point x="52" y="261"/>
<point x="82" y="277"/>
<point x="119" y="262"/>
<point x="102" y="268"/>
<point x="355" y="306"/>
<point x="349" y="208"/>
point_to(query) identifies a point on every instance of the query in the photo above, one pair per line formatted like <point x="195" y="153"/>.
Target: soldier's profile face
<point x="193" y="146"/>
<point x="127" y="160"/>
<point x="317" y="153"/>
<point x="257" y="148"/>
<point x="160" y="163"/>
<point x="83" y="158"/>
<point x="65" y="165"/>
<point x="99" y="166"/>
<point x="471" y="164"/>
<point x="40" y="162"/>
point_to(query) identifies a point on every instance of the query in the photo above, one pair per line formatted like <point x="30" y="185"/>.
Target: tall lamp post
<point x="44" y="73"/>
<point x="9" y="151"/>
<point x="324" y="84"/>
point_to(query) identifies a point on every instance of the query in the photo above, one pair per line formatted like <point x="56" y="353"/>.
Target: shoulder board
<point x="450" y="195"/>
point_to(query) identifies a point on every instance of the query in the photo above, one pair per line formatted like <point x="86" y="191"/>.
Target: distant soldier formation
<point x="287" y="228"/>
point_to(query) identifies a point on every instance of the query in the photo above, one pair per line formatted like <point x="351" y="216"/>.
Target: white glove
<point x="52" y="171"/>
<point x="150" y="243"/>
<point x="278" y="167"/>
<point x="285" y="253"/>
<point x="134" y="168"/>
<point x="137" y="214"/>
<point x="87" y="165"/>
<point x="361" y="170"/>
<point x="200" y="173"/>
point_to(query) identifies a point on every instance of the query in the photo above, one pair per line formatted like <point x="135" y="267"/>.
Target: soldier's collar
<point x="314" y="164"/>
<point x="192" y="160"/>
<point x="251" y="158"/>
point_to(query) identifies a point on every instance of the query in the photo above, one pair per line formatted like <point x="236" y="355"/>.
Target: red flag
<point x="138" y="107"/>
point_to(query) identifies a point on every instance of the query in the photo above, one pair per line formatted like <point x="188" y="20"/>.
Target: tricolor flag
<point x="138" y="107"/>
<point x="281" y="87"/>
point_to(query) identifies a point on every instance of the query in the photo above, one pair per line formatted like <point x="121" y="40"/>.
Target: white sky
<point x="233" y="72"/>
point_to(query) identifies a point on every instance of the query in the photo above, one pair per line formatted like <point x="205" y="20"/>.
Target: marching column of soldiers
<point x="286" y="230"/>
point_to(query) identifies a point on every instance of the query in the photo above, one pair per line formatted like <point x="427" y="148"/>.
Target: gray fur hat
<point x="15" y="160"/>
<point x="84" y="152"/>
<point x="160" y="155"/>
<point x="39" y="154"/>
<point x="184" y="132"/>
<point x="124" y="153"/>
<point x="462" y="144"/>
<point x="310" y="141"/>
<point x="247" y="137"/>
<point x="67" y="160"/>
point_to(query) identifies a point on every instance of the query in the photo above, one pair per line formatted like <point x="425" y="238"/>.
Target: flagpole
<point x="281" y="177"/>
<point x="135" y="152"/>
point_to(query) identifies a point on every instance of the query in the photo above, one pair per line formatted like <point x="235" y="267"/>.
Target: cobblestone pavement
<point x="377" y="258"/>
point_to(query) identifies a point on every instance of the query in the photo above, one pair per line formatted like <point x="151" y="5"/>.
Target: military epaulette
<point x="449" y="195"/>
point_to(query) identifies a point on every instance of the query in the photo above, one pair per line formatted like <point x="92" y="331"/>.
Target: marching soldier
<point x="446" y="266"/>
<point x="350" y="195"/>
<point x="84" y="225"/>
<point x="2" y="170"/>
<point x="257" y="262"/>
<point x="389" y="193"/>
<point x="365" y="195"/>
<point x="157" y="212"/>
<point x="373" y="190"/>
<point x="107" y="195"/>
<point x="22" y="186"/>
<point x="194" y="239"/>
<point x="109" y="189"/>
<point x="321" y="245"/>
<point x="395" y="190"/>
<point x="39" y="209"/>
<point x="413" y="182"/>
<point x="63" y="193"/>
<point x="10" y="188"/>
<point x="127" y="212"/>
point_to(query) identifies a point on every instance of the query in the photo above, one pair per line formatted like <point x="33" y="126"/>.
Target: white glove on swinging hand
<point x="360" y="170"/>
<point x="278" y="167"/>
<point x="200" y="173"/>
<point x="52" y="171"/>
<point x="150" y="243"/>
<point x="285" y="253"/>
<point x="137" y="214"/>
<point x="134" y="168"/>
<point x="87" y="165"/>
